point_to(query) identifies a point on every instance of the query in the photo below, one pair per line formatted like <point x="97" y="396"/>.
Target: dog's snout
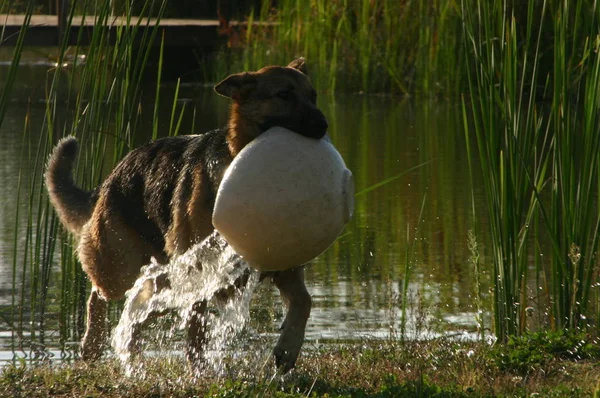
<point x="320" y="123"/>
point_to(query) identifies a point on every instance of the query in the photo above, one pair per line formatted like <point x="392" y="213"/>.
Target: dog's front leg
<point x="94" y="340"/>
<point x="196" y="332"/>
<point x="293" y="291"/>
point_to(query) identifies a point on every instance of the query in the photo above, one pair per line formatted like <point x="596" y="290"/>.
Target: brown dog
<point x="158" y="201"/>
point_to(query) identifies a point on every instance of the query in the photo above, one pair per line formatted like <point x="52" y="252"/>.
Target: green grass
<point x="402" y="47"/>
<point x="507" y="130"/>
<point x="573" y="213"/>
<point x="437" y="368"/>
<point x="540" y="163"/>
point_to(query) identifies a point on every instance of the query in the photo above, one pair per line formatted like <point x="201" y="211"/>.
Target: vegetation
<point x="391" y="46"/>
<point x="383" y="368"/>
<point x="531" y="351"/>
<point x="103" y="102"/>
<point x="540" y="163"/>
<point x="530" y="85"/>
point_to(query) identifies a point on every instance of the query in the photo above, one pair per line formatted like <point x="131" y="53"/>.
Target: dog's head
<point x="276" y="96"/>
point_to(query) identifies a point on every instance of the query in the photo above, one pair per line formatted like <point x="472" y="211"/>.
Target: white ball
<point x="284" y="199"/>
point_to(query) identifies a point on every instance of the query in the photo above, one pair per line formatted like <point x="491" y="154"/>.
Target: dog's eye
<point x="285" y="95"/>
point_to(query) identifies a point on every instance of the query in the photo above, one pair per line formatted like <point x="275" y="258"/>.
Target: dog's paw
<point x="284" y="360"/>
<point x="195" y="358"/>
<point x="91" y="350"/>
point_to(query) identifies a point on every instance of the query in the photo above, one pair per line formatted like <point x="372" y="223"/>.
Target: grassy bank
<point x="537" y="366"/>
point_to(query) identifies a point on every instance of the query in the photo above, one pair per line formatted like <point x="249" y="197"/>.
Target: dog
<point x="158" y="202"/>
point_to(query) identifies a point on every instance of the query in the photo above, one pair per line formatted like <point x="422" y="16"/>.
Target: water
<point x="220" y="268"/>
<point x="357" y="285"/>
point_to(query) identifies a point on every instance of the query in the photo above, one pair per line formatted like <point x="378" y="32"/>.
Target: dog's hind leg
<point x="94" y="340"/>
<point x="111" y="254"/>
<point x="293" y="291"/>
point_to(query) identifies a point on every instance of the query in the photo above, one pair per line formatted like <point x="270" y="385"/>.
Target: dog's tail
<point x="73" y="205"/>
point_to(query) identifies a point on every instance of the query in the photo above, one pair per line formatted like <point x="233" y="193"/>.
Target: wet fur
<point x="158" y="201"/>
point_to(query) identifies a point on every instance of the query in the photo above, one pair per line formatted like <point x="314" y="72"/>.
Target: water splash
<point x="195" y="276"/>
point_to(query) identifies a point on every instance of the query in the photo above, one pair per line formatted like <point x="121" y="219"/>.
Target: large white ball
<point x="284" y="199"/>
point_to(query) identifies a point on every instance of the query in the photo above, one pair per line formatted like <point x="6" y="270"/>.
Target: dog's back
<point x="145" y="187"/>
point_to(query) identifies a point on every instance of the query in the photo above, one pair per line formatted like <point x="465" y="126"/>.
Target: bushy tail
<point x="73" y="205"/>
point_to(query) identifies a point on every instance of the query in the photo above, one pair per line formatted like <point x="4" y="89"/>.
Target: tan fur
<point x="71" y="203"/>
<point x="199" y="215"/>
<point x="179" y="236"/>
<point x="109" y="247"/>
<point x="240" y="132"/>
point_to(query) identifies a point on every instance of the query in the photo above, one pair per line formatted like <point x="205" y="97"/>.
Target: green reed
<point x="392" y="46"/>
<point x="98" y="101"/>
<point x="507" y="128"/>
<point x="538" y="162"/>
<point x="12" y="72"/>
<point x="4" y="99"/>
<point x="573" y="213"/>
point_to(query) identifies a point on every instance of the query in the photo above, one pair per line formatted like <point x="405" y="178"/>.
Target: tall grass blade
<point x="521" y="145"/>
<point x="103" y="109"/>
<point x="16" y="60"/>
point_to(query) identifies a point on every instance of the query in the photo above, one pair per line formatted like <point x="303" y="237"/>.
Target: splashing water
<point x="195" y="276"/>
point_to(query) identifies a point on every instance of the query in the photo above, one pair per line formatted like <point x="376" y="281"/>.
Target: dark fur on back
<point x="148" y="175"/>
<point x="152" y="173"/>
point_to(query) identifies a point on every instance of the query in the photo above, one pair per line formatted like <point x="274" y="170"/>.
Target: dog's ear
<point x="235" y="85"/>
<point x="299" y="64"/>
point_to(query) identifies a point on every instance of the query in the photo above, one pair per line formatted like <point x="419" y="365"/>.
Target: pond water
<point x="411" y="232"/>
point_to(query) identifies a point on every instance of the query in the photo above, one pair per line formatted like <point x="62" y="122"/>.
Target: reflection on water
<point x="414" y="226"/>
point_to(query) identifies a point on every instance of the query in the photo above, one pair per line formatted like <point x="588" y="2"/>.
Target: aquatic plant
<point x="403" y="47"/>
<point x="573" y="215"/>
<point x="16" y="58"/>
<point x="540" y="164"/>
<point x="94" y="94"/>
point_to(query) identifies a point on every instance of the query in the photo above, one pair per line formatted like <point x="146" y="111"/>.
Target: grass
<point x="540" y="163"/>
<point x="573" y="213"/>
<point x="507" y="130"/>
<point x="98" y="101"/>
<point x="402" y="47"/>
<point x="381" y="368"/>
